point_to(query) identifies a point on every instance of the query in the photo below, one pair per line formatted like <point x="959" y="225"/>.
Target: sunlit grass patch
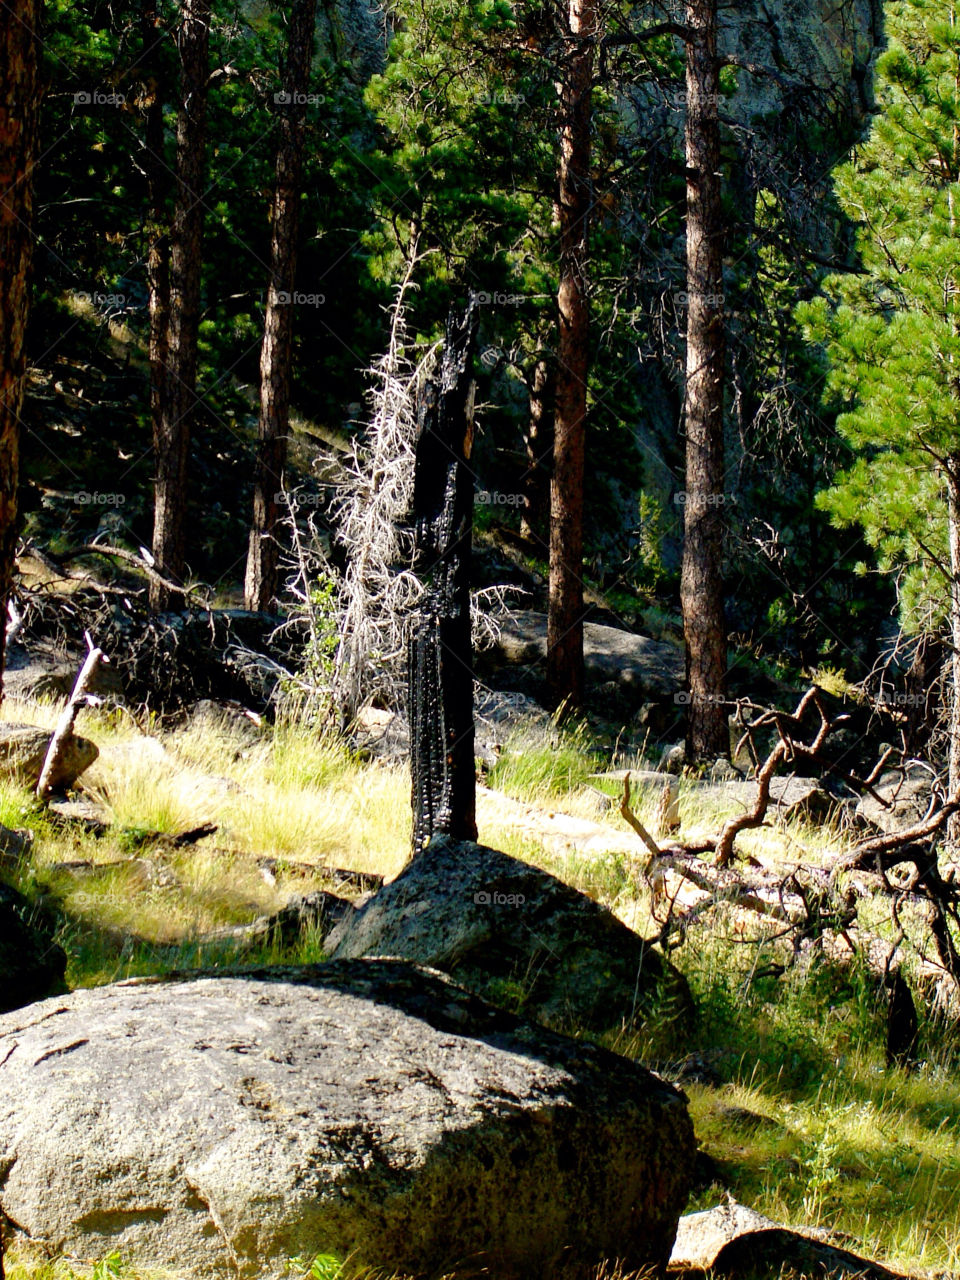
<point x="559" y="765"/>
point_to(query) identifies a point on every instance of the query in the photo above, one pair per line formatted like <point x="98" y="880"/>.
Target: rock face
<point x="43" y="673"/>
<point x="223" y="1125"/>
<point x="640" y="667"/>
<point x="496" y="923"/>
<point x="31" y="963"/>
<point x="789" y="797"/>
<point x="903" y="801"/>
<point x="23" y="748"/>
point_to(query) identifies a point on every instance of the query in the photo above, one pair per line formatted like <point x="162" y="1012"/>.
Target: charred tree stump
<point x="440" y="689"/>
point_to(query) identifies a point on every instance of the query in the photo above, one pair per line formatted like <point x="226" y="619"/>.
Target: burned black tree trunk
<point x="440" y="655"/>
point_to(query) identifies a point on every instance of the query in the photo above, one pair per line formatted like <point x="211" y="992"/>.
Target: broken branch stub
<point x="440" y="670"/>
<point x="68" y="718"/>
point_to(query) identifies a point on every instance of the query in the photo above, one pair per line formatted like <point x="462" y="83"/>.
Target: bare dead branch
<point x="68" y="718"/>
<point x="633" y="821"/>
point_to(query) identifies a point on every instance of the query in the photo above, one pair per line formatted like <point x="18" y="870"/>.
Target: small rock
<point x="732" y="1240"/>
<point x="23" y="749"/>
<point x="318" y="910"/>
<point x="15" y="843"/>
<point x="227" y="717"/>
<point x="381" y="733"/>
<point x="638" y="667"/>
<point x="743" y="1118"/>
<point x="723" y="771"/>
<point x="673" y="759"/>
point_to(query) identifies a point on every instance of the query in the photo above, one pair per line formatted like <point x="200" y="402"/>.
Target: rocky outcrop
<point x="23" y="748"/>
<point x="504" y="928"/>
<point x="32" y="964"/>
<point x="637" y="667"/>
<point x="223" y="1125"/>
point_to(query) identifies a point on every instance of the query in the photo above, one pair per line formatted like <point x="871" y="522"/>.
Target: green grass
<point x="552" y="769"/>
<point x="806" y="1124"/>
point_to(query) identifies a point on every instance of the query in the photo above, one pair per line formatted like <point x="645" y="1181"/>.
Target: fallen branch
<point x="786" y="749"/>
<point x="881" y="852"/>
<point x="128" y="557"/>
<point x="633" y="821"/>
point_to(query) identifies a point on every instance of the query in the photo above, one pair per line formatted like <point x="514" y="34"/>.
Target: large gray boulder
<point x="23" y="749"/>
<point x="222" y="1125"/>
<point x="506" y="929"/>
<point x="637" y="665"/>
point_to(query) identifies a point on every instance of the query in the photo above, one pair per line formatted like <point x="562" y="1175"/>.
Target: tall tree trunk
<point x="158" y="243"/>
<point x="701" y="584"/>
<point x="565" y="613"/>
<point x="440" y="691"/>
<point x="534" y="515"/>
<point x="179" y="397"/>
<point x="262" y="579"/>
<point x="19" y="104"/>
<point x="953" y="531"/>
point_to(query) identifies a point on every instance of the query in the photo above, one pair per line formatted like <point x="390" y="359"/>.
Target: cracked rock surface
<point x="221" y="1125"/>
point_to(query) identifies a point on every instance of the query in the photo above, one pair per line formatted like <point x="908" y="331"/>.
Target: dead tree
<point x="440" y="673"/>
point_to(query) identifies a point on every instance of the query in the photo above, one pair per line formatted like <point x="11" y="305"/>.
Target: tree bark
<point x="534" y="515"/>
<point x="440" y="710"/>
<point x="565" y="610"/>
<point x="19" y="107"/>
<point x="701" y="583"/>
<point x="157" y="231"/>
<point x="262" y="582"/>
<point x="953" y="530"/>
<point x="179" y="398"/>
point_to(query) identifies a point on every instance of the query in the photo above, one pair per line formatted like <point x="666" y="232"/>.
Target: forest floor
<point x="785" y="1072"/>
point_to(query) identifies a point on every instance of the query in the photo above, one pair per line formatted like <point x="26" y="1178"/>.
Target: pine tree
<point x="262" y="584"/>
<point x="19" y="100"/>
<point x="891" y="328"/>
